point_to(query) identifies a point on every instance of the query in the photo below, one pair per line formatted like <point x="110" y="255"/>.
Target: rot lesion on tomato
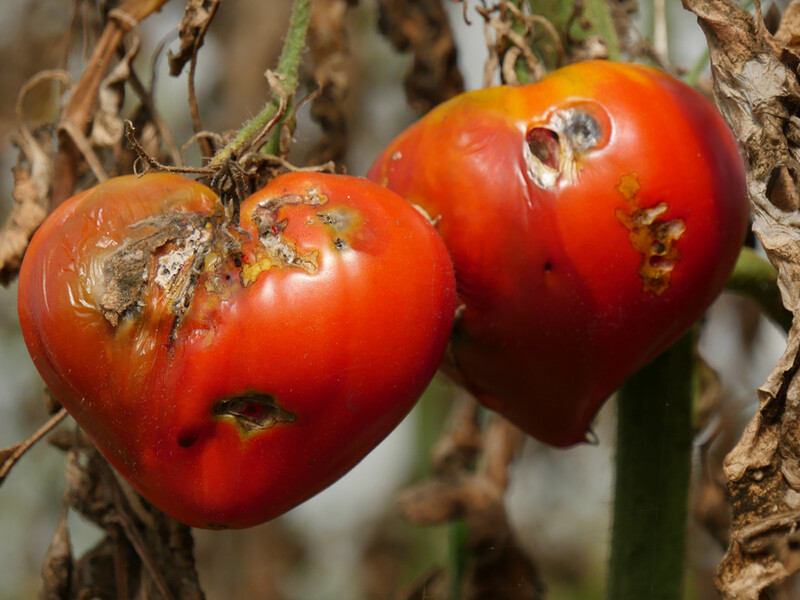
<point x="554" y="149"/>
<point x="651" y="236"/>
<point x="171" y="253"/>
<point x="252" y="412"/>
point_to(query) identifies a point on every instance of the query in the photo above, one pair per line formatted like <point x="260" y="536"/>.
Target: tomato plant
<point x="591" y="218"/>
<point x="230" y="367"/>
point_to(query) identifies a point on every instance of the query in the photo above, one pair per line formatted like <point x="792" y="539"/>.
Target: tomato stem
<point x="653" y="467"/>
<point x="755" y="278"/>
<point x="571" y="17"/>
<point x="286" y="79"/>
<point x="457" y="556"/>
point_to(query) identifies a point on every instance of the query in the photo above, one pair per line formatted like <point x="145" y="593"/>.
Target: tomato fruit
<point x="230" y="368"/>
<point x="592" y="217"/>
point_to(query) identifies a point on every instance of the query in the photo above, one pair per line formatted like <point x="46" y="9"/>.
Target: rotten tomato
<point x="591" y="218"/>
<point x="231" y="367"/>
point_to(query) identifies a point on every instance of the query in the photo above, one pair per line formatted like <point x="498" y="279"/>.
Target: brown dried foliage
<point x="470" y="480"/>
<point x="756" y="85"/>
<point x="421" y="27"/>
<point x="331" y="71"/>
<point x="143" y="553"/>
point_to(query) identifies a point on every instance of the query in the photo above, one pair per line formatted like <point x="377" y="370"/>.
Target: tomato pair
<point x="230" y="370"/>
<point x="591" y="218"/>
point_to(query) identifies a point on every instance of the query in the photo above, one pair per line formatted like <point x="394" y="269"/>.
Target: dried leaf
<point x="195" y="21"/>
<point x="476" y="496"/>
<point x="756" y="87"/>
<point x="332" y="64"/>
<point x="421" y="27"/>
<point x="77" y="115"/>
<point x="57" y="567"/>
<point x="26" y="215"/>
<point x="108" y="126"/>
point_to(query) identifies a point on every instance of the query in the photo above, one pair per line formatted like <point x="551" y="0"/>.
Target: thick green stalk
<point x="595" y="12"/>
<point x="288" y="67"/>
<point x="755" y="278"/>
<point x="653" y="465"/>
<point x="457" y="556"/>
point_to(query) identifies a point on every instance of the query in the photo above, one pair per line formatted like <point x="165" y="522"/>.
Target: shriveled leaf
<point x="332" y="72"/>
<point x="27" y="214"/>
<point x="421" y="27"/>
<point x="757" y="89"/>
<point x="108" y="126"/>
<point x="194" y="22"/>
<point x="57" y="567"/>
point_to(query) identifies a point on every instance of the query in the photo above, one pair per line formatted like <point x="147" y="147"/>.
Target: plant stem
<point x="653" y="465"/>
<point x="596" y="14"/>
<point x="457" y="555"/>
<point x="755" y="278"/>
<point x="288" y="66"/>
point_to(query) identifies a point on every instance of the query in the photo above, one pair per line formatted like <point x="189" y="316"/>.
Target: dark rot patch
<point x="651" y="236"/>
<point x="583" y="130"/>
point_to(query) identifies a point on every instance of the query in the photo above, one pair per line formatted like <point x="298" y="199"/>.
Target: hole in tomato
<point x="252" y="411"/>
<point x="544" y="145"/>
<point x="548" y="266"/>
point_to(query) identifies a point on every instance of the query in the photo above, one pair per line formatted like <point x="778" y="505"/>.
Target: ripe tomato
<point x="231" y="371"/>
<point x="591" y="218"/>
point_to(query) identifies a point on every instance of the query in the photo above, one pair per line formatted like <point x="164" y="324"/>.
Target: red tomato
<point x="591" y="218"/>
<point x="231" y="371"/>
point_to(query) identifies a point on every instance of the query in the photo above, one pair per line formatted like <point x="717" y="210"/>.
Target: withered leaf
<point x="27" y="214"/>
<point x="57" y="567"/>
<point x="421" y="27"/>
<point x="194" y="21"/>
<point x="756" y="87"/>
<point x="332" y="72"/>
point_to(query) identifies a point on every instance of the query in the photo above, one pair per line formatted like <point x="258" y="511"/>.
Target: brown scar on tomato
<point x="126" y="269"/>
<point x="651" y="236"/>
<point x="277" y="251"/>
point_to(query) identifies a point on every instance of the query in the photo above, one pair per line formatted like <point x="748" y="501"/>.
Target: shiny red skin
<point x="347" y="349"/>
<point x="556" y="315"/>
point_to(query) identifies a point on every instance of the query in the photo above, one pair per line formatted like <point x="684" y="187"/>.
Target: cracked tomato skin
<point x="591" y="217"/>
<point x="309" y="331"/>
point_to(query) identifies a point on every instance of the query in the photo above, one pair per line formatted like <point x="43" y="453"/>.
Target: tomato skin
<point x="338" y="311"/>
<point x="566" y="285"/>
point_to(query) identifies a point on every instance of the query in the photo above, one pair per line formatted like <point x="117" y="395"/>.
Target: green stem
<point x="288" y="67"/>
<point x="521" y="65"/>
<point x="653" y="465"/>
<point x="595" y="12"/>
<point x="755" y="278"/>
<point x="457" y="556"/>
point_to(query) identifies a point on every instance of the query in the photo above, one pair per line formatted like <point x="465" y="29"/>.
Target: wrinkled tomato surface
<point x="230" y="370"/>
<point x="591" y="218"/>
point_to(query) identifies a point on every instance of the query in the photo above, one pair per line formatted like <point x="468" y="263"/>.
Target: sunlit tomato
<point x="591" y="218"/>
<point x="231" y="371"/>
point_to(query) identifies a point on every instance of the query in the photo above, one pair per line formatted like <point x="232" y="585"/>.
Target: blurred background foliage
<point x="348" y="542"/>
